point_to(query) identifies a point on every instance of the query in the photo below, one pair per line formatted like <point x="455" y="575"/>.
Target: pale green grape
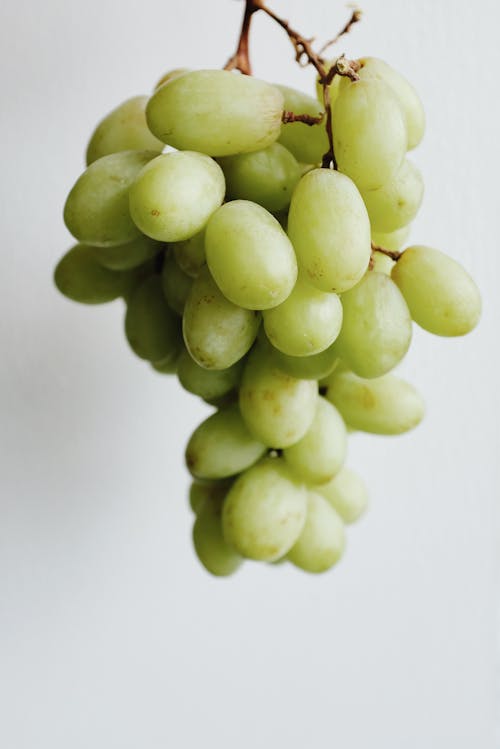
<point x="384" y="405"/>
<point x="306" y="323"/>
<point x="130" y="255"/>
<point x="217" y="333"/>
<point x="319" y="455"/>
<point x="175" y="283"/>
<point x="80" y="277"/>
<point x="96" y="210"/>
<point x="277" y="408"/>
<point x="136" y="276"/>
<point x="151" y="327"/>
<point x="211" y="549"/>
<point x="396" y="203"/>
<point x="175" y="194"/>
<point x="267" y="177"/>
<point x="322" y="541"/>
<point x="308" y="367"/>
<point x="330" y="231"/>
<point x="308" y="143"/>
<point x="190" y="254"/>
<point x="171" y="75"/>
<point x="382" y="263"/>
<point x="441" y="295"/>
<point x="249" y="255"/>
<point x="123" y="129"/>
<point x="393" y="240"/>
<point x="222" y="446"/>
<point x="376" y="332"/>
<point x="369" y="133"/>
<point x="347" y="493"/>
<point x="210" y="384"/>
<point x="202" y="491"/>
<point x="216" y="112"/>
<point x="264" y="511"/>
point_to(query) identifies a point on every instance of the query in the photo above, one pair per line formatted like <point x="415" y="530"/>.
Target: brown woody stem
<point x="241" y="58"/>
<point x="394" y="254"/>
<point x="307" y="119"/>
<point x="355" y="17"/>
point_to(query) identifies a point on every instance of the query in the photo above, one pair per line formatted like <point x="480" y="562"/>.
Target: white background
<point x="112" y="635"/>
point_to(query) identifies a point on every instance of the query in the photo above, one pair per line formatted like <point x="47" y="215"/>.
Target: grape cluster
<point x="254" y="275"/>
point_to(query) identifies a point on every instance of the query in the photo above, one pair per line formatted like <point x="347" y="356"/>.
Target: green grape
<point x="376" y="332"/>
<point x="217" y="333"/>
<point x="249" y="255"/>
<point x="167" y="365"/>
<point x="136" y="276"/>
<point x="151" y="327"/>
<point x="277" y="408"/>
<point x="170" y="76"/>
<point x="216" y="112"/>
<point x="123" y="129"/>
<point x="210" y="384"/>
<point x="396" y="203"/>
<point x="308" y="143"/>
<point x="96" y="210"/>
<point x="347" y="493"/>
<point x="130" y="255"/>
<point x="202" y="491"/>
<point x="267" y="177"/>
<point x="175" y="283"/>
<point x="80" y="277"/>
<point x="382" y="263"/>
<point x="214" y="553"/>
<point x="369" y="133"/>
<point x="322" y="541"/>
<point x="384" y="405"/>
<point x="441" y="295"/>
<point x="308" y="367"/>
<point x="190" y="254"/>
<point x="306" y="323"/>
<point x="222" y="446"/>
<point x="393" y="240"/>
<point x="264" y="511"/>
<point x="175" y="194"/>
<point x="319" y="455"/>
<point x="330" y="231"/>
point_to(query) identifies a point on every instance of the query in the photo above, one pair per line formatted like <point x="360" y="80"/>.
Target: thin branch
<point x="241" y="58"/>
<point x="307" y="119"/>
<point x="393" y="254"/>
<point x="355" y="18"/>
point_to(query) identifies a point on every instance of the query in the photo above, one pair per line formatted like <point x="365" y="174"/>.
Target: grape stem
<point x="303" y="51"/>
<point x="393" y="254"/>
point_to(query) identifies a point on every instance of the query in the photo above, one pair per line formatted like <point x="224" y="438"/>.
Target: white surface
<point x="112" y="636"/>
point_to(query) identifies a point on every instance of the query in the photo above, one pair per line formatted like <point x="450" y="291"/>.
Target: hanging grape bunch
<point x="259" y="257"/>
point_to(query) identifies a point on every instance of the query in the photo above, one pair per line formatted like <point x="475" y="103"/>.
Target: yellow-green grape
<point x="202" y="491"/>
<point x="267" y="177"/>
<point x="330" y="230"/>
<point x="384" y="405"/>
<point x="308" y="367"/>
<point x="441" y="295"/>
<point x="409" y="101"/>
<point x="334" y="86"/>
<point x="123" y="129"/>
<point x="277" y="408"/>
<point x="306" y="323"/>
<point x="347" y="493"/>
<point x="130" y="255"/>
<point x="190" y="254"/>
<point x="308" y="143"/>
<point x="167" y="365"/>
<point x="175" y="194"/>
<point x="222" y="446"/>
<point x="249" y="255"/>
<point x="321" y="452"/>
<point x="393" y="240"/>
<point x="216" y="112"/>
<point x="151" y="327"/>
<point x="382" y="263"/>
<point x="322" y="541"/>
<point x="96" y="210"/>
<point x="209" y="384"/>
<point x="171" y="75"/>
<point x="369" y="133"/>
<point x="80" y="277"/>
<point x="175" y="283"/>
<point x="376" y="332"/>
<point x="214" y="553"/>
<point x="396" y="203"/>
<point x="264" y="511"/>
<point x="217" y="333"/>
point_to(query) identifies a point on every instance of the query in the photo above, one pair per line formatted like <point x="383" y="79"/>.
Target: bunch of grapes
<point x="255" y="234"/>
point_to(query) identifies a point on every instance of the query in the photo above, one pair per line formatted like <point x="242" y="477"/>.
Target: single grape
<point x="308" y="143"/>
<point x="171" y="75"/>
<point x="441" y="295"/>
<point x="136" y="276"/>
<point x="123" y="129"/>
<point x="167" y="365"/>
<point x="382" y="263"/>
<point x="217" y="333"/>
<point x="216" y="112"/>
<point x="80" y="277"/>
<point x="175" y="283"/>
<point x="347" y="493"/>
<point x="173" y="197"/>
<point x="330" y="231"/>
<point x="130" y="255"/>
<point x="264" y="511"/>
<point x="151" y="327"/>
<point x="210" y="384"/>
<point x="202" y="491"/>
<point x="308" y="367"/>
<point x="190" y="254"/>
<point x="393" y="240"/>
<point x="322" y="541"/>
<point x="249" y="255"/>
<point x="395" y="204"/>
<point x="214" y="553"/>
